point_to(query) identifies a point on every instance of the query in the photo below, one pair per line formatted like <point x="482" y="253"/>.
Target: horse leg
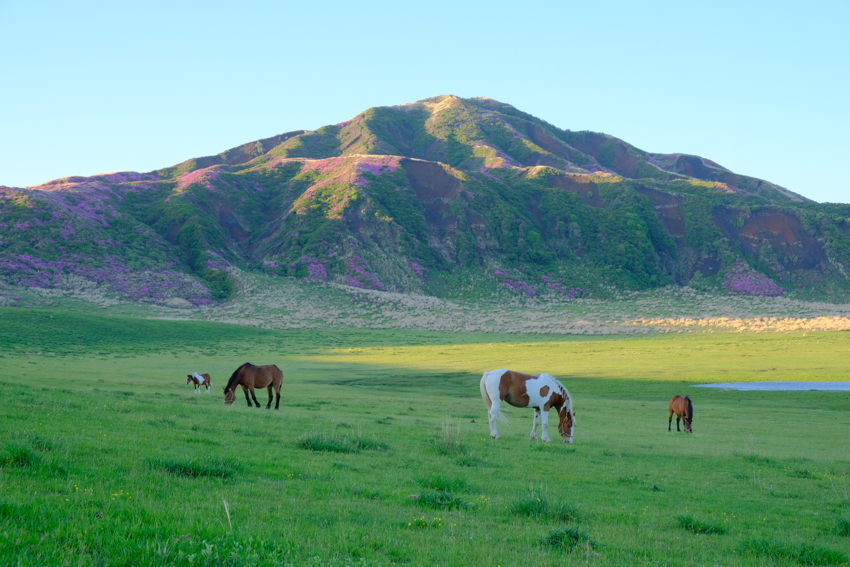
<point x="255" y="398"/>
<point x="269" y="388"/>
<point x="247" y="398"/>
<point x="678" y="417"/>
<point x="534" y="426"/>
<point x="670" y="421"/>
<point x="277" y="401"/>
<point x="544" y="425"/>
<point x="492" y="415"/>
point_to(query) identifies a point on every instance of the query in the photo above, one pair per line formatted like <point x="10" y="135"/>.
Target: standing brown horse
<point x="684" y="409"/>
<point x="249" y="377"/>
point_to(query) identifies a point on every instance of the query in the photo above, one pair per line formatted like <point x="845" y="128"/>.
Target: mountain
<point x="421" y="197"/>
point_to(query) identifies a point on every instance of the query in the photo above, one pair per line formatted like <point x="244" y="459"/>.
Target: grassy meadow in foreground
<point x="108" y="458"/>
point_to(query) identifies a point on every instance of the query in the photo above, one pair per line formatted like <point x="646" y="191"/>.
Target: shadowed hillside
<point x="417" y="198"/>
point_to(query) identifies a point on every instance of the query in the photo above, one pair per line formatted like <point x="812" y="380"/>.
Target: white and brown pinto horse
<point x="249" y="377"/>
<point x="199" y="380"/>
<point x="538" y="391"/>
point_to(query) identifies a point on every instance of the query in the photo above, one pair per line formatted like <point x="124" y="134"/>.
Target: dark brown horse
<point x="684" y="409"/>
<point x="249" y="377"/>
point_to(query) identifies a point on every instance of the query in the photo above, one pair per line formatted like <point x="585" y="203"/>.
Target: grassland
<point x="108" y="458"/>
<point x="272" y="302"/>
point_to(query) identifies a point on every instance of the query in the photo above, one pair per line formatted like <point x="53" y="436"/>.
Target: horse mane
<point x="233" y="377"/>
<point x="568" y="400"/>
<point x="565" y="394"/>
<point x="690" y="409"/>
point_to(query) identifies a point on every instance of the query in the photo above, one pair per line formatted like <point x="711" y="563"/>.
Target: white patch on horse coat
<point x="533" y="387"/>
<point x="198" y="377"/>
<point x="490" y="383"/>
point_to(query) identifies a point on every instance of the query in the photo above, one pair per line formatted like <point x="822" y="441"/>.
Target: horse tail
<point x="500" y="416"/>
<point x="690" y="409"/>
<point x="484" y="393"/>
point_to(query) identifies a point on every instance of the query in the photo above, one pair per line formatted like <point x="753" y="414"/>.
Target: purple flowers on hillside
<point x="743" y="280"/>
<point x="420" y="271"/>
<point x="216" y="265"/>
<point x="85" y="200"/>
<point x="515" y="285"/>
<point x="112" y="275"/>
<point x="550" y="281"/>
<point x="203" y="177"/>
<point x="318" y="272"/>
<point x="27" y="271"/>
<point x="356" y="274"/>
<point x="126" y="177"/>
<point x="555" y="284"/>
<point x="376" y="165"/>
<point x="519" y="286"/>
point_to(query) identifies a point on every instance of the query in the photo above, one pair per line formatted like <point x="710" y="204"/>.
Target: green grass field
<point x="108" y="458"/>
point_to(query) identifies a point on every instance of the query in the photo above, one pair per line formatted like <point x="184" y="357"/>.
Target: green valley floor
<point x="380" y="452"/>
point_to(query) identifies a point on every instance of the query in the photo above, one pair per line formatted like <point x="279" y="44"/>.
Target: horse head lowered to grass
<point x="249" y="377"/>
<point x="538" y="391"/>
<point x="684" y="409"/>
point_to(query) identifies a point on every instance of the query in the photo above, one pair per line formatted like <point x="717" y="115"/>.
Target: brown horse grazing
<point x="199" y="380"/>
<point x="249" y="377"/>
<point x="684" y="409"/>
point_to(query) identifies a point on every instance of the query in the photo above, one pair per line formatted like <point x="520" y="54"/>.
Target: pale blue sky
<point x="92" y="87"/>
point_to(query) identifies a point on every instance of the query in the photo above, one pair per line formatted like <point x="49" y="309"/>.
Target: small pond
<point x="830" y="386"/>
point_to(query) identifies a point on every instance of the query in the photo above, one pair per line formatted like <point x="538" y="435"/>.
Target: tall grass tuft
<point x="8" y="510"/>
<point x="568" y="537"/>
<point x="563" y="512"/>
<point x="533" y="504"/>
<point x="801" y="553"/>
<point x="442" y="483"/>
<point x="450" y="442"/>
<point x="194" y="469"/>
<point x="41" y="443"/>
<point x="692" y="524"/>
<point x="327" y="442"/>
<point x="441" y="500"/>
<point x="19" y="456"/>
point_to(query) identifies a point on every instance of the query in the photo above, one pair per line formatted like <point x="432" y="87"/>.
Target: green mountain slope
<point x="420" y="197"/>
